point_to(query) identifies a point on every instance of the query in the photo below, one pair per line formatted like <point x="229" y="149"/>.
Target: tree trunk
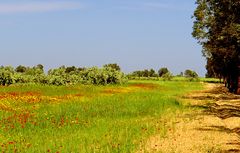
<point x="238" y="86"/>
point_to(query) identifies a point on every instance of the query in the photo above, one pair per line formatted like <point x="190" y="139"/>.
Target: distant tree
<point x="21" y="69"/>
<point x="40" y="66"/>
<point x="9" y="68"/>
<point x="81" y="69"/>
<point x="167" y="76"/>
<point x="6" y="75"/>
<point x="152" y="73"/>
<point x="145" y="73"/>
<point x="162" y="71"/>
<point x="191" y="74"/>
<point x="70" y="69"/>
<point x="58" y="71"/>
<point x="180" y="74"/>
<point x="34" y="71"/>
<point x="114" y="66"/>
<point x="137" y="74"/>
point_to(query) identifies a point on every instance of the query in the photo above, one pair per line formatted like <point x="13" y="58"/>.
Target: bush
<point x="167" y="76"/>
<point x="62" y="75"/>
<point x="191" y="75"/>
<point x="106" y="75"/>
<point x="163" y="71"/>
<point x="56" y="80"/>
<point x="114" y="66"/>
<point x="6" y="76"/>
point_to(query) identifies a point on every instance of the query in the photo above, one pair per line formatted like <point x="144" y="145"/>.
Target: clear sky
<point x="136" y="34"/>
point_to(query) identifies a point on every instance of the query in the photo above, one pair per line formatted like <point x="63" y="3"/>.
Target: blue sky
<point x="136" y="34"/>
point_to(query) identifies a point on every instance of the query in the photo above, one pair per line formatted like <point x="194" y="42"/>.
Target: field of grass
<point x="176" y="78"/>
<point x="84" y="118"/>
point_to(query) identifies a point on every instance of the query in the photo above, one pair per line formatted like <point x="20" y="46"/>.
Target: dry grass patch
<point x="213" y="129"/>
<point x="146" y="86"/>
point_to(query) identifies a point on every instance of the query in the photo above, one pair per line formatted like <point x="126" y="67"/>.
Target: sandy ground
<point x="216" y="128"/>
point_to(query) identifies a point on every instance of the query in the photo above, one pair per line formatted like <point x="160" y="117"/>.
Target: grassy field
<point x="83" y="118"/>
<point x="182" y="79"/>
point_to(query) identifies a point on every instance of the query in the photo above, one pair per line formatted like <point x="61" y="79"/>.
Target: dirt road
<point x="212" y="124"/>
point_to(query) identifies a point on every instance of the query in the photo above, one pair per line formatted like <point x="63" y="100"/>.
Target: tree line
<point x="108" y="74"/>
<point x="217" y="29"/>
<point x="162" y="73"/>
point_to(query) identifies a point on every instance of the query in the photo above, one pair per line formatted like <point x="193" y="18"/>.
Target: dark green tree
<point x="40" y="66"/>
<point x="190" y="73"/>
<point x="81" y="69"/>
<point x="152" y="73"/>
<point x="70" y="69"/>
<point x="6" y="75"/>
<point x="163" y="71"/>
<point x="114" y="66"/>
<point x="145" y="73"/>
<point x="217" y="29"/>
<point x="21" y="69"/>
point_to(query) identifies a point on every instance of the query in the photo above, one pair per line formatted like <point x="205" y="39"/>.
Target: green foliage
<point x="92" y="123"/>
<point x="21" y="69"/>
<point x="192" y="75"/>
<point x="163" y="71"/>
<point x="61" y="75"/>
<point x="217" y="29"/>
<point x="56" y="80"/>
<point x="106" y="75"/>
<point x="70" y="69"/>
<point x="167" y="76"/>
<point x="152" y="73"/>
<point x="34" y="71"/>
<point x="6" y="76"/>
<point x="114" y="66"/>
<point x="143" y="73"/>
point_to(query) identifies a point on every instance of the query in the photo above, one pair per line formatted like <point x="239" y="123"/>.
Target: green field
<point x="87" y="118"/>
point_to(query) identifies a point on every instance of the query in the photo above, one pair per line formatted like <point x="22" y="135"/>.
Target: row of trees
<point x="217" y="29"/>
<point x="150" y="72"/>
<point x="108" y="74"/>
<point x="163" y="73"/>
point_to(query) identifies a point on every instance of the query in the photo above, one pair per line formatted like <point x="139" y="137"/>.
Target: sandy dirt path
<point x="214" y="128"/>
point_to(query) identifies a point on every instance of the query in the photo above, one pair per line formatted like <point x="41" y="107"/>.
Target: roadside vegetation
<point x="108" y="74"/>
<point x="70" y="109"/>
<point x="87" y="118"/>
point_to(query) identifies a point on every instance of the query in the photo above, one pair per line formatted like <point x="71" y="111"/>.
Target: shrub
<point x="167" y="76"/>
<point x="114" y="66"/>
<point x="57" y="76"/>
<point x="21" y="69"/>
<point x="6" y="76"/>
<point x="191" y="75"/>
<point x="163" y="71"/>
<point x="56" y="80"/>
<point x="106" y="75"/>
<point x="62" y="75"/>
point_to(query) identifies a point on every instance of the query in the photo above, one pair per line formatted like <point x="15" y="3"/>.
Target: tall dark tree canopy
<point x="162" y="71"/>
<point x="114" y="66"/>
<point x="217" y="29"/>
<point x="21" y="69"/>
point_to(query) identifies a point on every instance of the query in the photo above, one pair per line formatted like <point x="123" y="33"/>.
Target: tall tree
<point x="162" y="71"/>
<point x="21" y="69"/>
<point x="217" y="29"/>
<point x="114" y="66"/>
